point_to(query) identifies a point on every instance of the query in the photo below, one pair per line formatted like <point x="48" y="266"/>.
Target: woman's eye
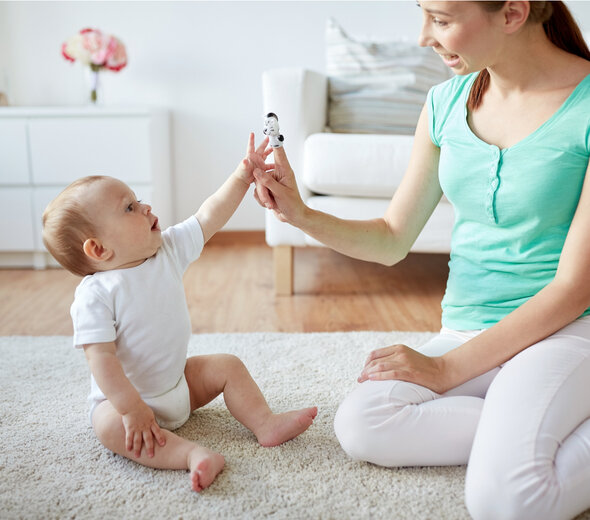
<point x="440" y="23"/>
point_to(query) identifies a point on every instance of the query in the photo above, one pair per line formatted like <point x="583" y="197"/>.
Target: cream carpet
<point x="52" y="466"/>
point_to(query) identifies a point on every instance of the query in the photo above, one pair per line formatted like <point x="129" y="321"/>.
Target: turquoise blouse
<point x="513" y="206"/>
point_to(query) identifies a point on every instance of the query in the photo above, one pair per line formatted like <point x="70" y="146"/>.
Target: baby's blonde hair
<point x="66" y="227"/>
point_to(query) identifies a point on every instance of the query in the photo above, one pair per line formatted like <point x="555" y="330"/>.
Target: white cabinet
<point x="16" y="217"/>
<point x="42" y="150"/>
<point x="14" y="165"/>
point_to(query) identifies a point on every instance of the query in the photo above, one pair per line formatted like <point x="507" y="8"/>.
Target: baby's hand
<point x="141" y="428"/>
<point x="255" y="158"/>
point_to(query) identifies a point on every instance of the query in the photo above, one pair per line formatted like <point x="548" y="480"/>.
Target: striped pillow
<point x="377" y="87"/>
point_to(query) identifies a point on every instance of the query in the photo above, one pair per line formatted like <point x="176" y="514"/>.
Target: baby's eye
<point x="130" y="207"/>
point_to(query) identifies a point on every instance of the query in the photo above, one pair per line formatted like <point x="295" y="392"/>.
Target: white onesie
<point x="143" y="309"/>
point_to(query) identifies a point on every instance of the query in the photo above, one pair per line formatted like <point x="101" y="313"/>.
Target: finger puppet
<point x="271" y="128"/>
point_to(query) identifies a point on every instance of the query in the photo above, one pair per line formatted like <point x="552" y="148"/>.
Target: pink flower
<point x="117" y="56"/>
<point x="65" y="53"/>
<point x="93" y="47"/>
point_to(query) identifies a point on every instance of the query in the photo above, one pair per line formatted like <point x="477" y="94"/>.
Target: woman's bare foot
<point x="281" y="427"/>
<point x="204" y="466"/>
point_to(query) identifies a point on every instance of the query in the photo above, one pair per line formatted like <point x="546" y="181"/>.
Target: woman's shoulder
<point x="447" y="101"/>
<point x="446" y="105"/>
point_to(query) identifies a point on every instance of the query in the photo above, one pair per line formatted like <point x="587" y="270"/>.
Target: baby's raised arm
<point x="219" y="207"/>
<point x="138" y="418"/>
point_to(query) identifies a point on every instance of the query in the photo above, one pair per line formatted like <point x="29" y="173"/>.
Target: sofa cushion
<point x="377" y="87"/>
<point x="355" y="165"/>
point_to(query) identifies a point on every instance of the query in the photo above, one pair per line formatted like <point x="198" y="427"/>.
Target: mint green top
<point x="513" y="207"/>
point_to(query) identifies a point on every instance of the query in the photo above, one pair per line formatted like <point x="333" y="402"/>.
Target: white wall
<point x="202" y="60"/>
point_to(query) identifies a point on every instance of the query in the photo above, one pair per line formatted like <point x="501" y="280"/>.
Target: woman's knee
<point x="511" y="493"/>
<point x="349" y="427"/>
<point x="365" y="417"/>
<point x="491" y="500"/>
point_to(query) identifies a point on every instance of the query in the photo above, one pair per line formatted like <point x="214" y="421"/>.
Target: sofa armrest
<point x="299" y="97"/>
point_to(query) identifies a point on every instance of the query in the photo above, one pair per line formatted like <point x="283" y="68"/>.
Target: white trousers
<point x="522" y="428"/>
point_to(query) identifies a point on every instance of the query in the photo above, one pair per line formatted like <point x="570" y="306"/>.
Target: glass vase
<point x="94" y="85"/>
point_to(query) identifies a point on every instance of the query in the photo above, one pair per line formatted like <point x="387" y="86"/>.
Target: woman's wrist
<point x="448" y="377"/>
<point x="303" y="218"/>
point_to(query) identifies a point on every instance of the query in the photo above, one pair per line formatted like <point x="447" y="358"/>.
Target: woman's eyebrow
<point x="433" y="11"/>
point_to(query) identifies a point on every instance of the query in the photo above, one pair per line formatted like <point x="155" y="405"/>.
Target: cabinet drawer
<point x="16" y="215"/>
<point x="65" y="149"/>
<point x="14" y="161"/>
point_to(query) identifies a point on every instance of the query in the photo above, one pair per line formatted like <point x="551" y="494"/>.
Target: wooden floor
<point x="229" y="289"/>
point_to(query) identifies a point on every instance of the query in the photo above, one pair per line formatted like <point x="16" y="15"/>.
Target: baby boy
<point x="131" y="319"/>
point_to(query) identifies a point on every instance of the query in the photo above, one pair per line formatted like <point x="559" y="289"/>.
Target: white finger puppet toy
<point x="271" y="128"/>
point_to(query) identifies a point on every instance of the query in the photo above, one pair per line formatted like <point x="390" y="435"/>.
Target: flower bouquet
<point x="97" y="50"/>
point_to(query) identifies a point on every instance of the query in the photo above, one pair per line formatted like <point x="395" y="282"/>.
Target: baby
<point x="131" y="319"/>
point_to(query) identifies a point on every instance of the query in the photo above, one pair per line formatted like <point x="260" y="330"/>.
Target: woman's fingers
<point x="263" y="196"/>
<point x="281" y="156"/>
<point x="381" y="352"/>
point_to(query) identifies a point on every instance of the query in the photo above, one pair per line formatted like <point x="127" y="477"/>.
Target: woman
<point x="504" y="387"/>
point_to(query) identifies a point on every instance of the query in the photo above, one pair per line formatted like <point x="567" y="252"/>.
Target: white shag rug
<point x="52" y="466"/>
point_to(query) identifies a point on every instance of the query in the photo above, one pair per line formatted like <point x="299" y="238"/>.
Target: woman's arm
<point x="562" y="301"/>
<point x="386" y="240"/>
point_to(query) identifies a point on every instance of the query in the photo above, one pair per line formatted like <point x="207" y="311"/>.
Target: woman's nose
<point x="425" y="39"/>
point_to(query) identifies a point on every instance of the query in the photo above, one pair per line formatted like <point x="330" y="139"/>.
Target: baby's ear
<point x="94" y="249"/>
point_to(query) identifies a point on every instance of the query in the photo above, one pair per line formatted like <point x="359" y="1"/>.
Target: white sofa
<point x="347" y="175"/>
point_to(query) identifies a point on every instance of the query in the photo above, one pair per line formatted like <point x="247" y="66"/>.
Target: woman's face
<point x="461" y="33"/>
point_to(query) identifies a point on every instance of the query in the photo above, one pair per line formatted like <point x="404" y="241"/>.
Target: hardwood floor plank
<point x="230" y="289"/>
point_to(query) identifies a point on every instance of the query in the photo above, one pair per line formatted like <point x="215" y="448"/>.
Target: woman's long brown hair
<point x="560" y="27"/>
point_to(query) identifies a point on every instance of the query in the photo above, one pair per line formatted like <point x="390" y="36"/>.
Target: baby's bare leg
<point x="208" y="376"/>
<point x="178" y="453"/>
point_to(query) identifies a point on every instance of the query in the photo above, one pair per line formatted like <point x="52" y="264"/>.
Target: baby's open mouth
<point x="155" y="225"/>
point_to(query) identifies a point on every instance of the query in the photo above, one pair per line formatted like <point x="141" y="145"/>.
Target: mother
<point x="505" y="386"/>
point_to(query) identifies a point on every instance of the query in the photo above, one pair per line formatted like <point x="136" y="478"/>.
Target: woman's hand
<point x="405" y="364"/>
<point x="277" y="189"/>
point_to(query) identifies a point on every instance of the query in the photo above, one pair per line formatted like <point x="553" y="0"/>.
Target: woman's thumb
<point x="280" y="156"/>
<point x="265" y="178"/>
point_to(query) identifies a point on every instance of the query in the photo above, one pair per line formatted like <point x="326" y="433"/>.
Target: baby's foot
<point x="281" y="427"/>
<point x="204" y="466"/>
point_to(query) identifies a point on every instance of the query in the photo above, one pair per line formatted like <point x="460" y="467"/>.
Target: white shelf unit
<point x="44" y="149"/>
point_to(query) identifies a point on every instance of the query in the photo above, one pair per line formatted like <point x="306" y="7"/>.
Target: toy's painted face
<point x="271" y="126"/>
